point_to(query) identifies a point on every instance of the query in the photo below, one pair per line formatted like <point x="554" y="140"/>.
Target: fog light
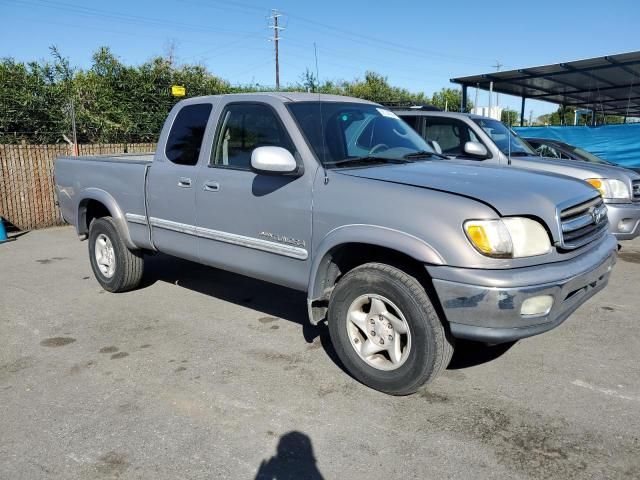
<point x="626" y="225"/>
<point x="536" y="306"/>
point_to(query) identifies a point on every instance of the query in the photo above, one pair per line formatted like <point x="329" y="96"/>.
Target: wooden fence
<point x="27" y="198"/>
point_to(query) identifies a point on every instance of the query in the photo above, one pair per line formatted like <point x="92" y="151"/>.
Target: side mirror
<point x="475" y="149"/>
<point x="273" y="160"/>
<point x="435" y="145"/>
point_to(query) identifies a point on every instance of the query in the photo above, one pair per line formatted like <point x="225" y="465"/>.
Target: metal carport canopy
<point x="609" y="85"/>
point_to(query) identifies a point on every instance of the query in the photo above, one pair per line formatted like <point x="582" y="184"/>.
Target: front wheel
<point x="385" y="330"/>
<point x="116" y="268"/>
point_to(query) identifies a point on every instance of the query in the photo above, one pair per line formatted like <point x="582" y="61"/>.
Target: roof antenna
<point x="324" y="147"/>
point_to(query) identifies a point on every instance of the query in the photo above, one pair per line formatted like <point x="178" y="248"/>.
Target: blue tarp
<point x="617" y="143"/>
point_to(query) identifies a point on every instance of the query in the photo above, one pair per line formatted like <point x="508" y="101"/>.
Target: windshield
<point x="352" y="131"/>
<point x="589" y="157"/>
<point x="503" y="137"/>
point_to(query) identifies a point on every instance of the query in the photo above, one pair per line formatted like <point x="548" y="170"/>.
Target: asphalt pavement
<point x="204" y="374"/>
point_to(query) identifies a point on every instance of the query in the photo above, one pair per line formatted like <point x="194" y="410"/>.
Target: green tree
<point x="449" y="99"/>
<point x="555" y="118"/>
<point x="119" y="103"/>
<point x="376" y="88"/>
<point x="309" y="82"/>
<point x="509" y="117"/>
<point x="33" y="104"/>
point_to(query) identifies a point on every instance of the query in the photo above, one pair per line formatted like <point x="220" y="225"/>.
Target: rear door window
<point x="185" y="138"/>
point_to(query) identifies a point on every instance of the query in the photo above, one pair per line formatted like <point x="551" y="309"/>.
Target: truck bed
<point x="116" y="181"/>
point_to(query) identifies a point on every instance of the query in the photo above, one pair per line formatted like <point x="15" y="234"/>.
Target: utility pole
<point x="530" y="117"/>
<point x="498" y="66"/>
<point x="490" y="98"/>
<point x="475" y="106"/>
<point x="275" y="15"/>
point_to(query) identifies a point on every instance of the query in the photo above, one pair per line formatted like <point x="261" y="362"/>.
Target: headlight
<point x="610" y="188"/>
<point x="511" y="237"/>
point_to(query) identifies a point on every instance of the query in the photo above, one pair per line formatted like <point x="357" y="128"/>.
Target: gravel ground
<point x="207" y="374"/>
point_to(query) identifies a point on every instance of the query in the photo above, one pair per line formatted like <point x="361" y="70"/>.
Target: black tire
<point x="430" y="350"/>
<point x="129" y="264"/>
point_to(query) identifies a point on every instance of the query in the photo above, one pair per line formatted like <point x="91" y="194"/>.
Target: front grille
<point x="635" y="194"/>
<point x="583" y="223"/>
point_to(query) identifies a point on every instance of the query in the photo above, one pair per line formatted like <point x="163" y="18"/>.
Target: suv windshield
<point x="505" y="139"/>
<point x="341" y="134"/>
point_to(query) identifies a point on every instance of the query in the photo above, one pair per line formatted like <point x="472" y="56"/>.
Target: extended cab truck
<point x="400" y="251"/>
<point x="473" y="137"/>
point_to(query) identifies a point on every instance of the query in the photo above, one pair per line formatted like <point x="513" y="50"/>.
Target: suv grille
<point x="635" y="194"/>
<point x="583" y="223"/>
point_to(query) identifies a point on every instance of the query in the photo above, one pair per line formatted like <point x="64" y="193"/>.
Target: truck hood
<point x="575" y="168"/>
<point x="510" y="191"/>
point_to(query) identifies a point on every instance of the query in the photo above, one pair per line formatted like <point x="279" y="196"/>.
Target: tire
<point x="127" y="265"/>
<point x="427" y="349"/>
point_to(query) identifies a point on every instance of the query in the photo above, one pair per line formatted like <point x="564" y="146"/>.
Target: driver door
<point x="254" y="224"/>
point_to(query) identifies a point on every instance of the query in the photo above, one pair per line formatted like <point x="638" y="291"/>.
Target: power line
<point x="122" y="17"/>
<point x="361" y="38"/>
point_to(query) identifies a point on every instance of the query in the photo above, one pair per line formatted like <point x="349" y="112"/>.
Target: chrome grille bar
<point x="583" y="223"/>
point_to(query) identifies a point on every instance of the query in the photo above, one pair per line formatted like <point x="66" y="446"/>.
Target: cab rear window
<point x="185" y="138"/>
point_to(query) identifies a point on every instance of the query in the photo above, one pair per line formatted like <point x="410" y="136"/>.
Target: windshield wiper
<point x="365" y="159"/>
<point x="423" y="154"/>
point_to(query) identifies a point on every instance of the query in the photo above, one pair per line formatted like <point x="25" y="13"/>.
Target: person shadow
<point x="294" y="460"/>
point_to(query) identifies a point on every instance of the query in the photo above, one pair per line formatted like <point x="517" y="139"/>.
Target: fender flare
<point x="110" y="203"/>
<point x="376" y="235"/>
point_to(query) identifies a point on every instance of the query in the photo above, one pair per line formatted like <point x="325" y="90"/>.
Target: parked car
<point x="400" y="251"/>
<point x="477" y="138"/>
<point x="556" y="149"/>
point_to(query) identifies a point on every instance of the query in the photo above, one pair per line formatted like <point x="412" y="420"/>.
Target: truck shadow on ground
<point x="265" y="297"/>
<point x="280" y="302"/>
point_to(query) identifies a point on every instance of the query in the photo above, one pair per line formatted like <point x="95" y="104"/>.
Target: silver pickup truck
<point x="477" y="138"/>
<point x="399" y="251"/>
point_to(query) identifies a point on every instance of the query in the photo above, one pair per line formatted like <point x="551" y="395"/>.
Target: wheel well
<point x="90" y="210"/>
<point x="343" y="258"/>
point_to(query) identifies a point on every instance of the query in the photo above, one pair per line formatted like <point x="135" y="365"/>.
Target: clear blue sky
<point x="419" y="45"/>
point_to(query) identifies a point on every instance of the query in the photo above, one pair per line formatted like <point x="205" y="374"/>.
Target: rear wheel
<point x="385" y="330"/>
<point x="116" y="268"/>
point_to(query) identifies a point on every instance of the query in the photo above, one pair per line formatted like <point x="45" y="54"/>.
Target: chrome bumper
<point x="491" y="312"/>
<point x="624" y="220"/>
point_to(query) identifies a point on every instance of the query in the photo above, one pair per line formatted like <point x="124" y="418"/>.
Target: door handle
<point x="184" y="182"/>
<point x="211" y="186"/>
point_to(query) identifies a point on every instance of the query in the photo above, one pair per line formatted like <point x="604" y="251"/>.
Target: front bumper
<point x="624" y="220"/>
<point x="490" y="311"/>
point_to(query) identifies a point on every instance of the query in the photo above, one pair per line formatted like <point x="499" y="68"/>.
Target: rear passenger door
<point x="255" y="224"/>
<point x="172" y="181"/>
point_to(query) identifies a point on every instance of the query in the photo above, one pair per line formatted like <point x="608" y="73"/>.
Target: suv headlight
<point x="510" y="237"/>
<point x="610" y="188"/>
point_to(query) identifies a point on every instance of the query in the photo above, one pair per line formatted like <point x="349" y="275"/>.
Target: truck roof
<point x="285" y="97"/>
<point x="431" y="113"/>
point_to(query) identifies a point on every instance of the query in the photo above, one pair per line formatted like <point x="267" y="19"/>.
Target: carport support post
<point x="463" y="104"/>
<point x="524" y="101"/>
<point x="593" y="117"/>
